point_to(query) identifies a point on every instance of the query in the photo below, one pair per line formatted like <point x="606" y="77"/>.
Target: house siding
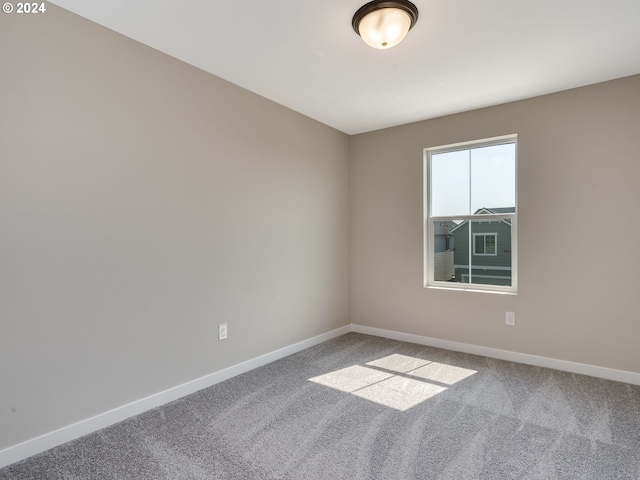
<point x="482" y="264"/>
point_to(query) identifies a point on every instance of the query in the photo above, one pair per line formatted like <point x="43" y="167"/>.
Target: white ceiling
<point x="461" y="55"/>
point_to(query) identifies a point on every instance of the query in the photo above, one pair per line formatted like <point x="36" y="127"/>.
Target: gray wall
<point x="142" y="202"/>
<point x="578" y="172"/>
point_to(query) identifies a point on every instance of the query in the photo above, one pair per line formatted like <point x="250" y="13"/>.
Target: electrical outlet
<point x="510" y="319"/>
<point x="222" y="331"/>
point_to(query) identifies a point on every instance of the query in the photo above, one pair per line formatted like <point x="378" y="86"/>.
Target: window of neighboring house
<point x="470" y="203"/>
<point x="485" y="243"/>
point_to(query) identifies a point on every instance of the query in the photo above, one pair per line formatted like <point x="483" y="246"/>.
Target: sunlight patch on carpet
<point x="399" y="363"/>
<point x="442" y="373"/>
<point x="395" y="381"/>
<point x="351" y="379"/>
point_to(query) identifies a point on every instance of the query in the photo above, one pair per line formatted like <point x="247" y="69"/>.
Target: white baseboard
<point x="564" y="365"/>
<point x="52" y="439"/>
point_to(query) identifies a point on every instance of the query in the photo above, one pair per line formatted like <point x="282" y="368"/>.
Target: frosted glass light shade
<point x="384" y="28"/>
<point x="383" y="24"/>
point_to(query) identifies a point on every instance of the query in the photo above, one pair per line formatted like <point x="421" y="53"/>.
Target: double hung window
<point x="485" y="243"/>
<point x="471" y="216"/>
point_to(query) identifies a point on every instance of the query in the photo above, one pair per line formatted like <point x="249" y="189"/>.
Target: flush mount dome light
<point x="384" y="24"/>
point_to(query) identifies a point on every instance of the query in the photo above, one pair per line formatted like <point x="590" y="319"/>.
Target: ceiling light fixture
<point x="384" y="24"/>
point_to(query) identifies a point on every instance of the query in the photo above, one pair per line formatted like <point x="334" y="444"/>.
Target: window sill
<point x="472" y="289"/>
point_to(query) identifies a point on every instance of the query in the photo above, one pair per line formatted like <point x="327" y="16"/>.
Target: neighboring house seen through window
<point x="470" y="215"/>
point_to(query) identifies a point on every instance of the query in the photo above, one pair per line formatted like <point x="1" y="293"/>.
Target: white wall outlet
<point x="222" y="331"/>
<point x="510" y="319"/>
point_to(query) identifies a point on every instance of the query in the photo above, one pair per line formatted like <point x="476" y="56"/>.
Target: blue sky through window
<point x="464" y="181"/>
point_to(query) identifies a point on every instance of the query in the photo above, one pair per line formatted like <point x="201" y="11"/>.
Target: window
<point x="484" y="243"/>
<point x="470" y="215"/>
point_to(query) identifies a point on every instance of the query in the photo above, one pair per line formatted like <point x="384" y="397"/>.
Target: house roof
<point x="485" y="211"/>
<point x="444" y="228"/>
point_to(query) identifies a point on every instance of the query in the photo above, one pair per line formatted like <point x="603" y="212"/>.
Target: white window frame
<point x="485" y="235"/>
<point x="429" y="219"/>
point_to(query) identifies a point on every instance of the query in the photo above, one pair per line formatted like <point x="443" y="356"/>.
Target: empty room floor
<point x="365" y="407"/>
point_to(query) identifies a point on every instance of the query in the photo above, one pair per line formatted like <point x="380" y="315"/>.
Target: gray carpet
<point x="375" y="409"/>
